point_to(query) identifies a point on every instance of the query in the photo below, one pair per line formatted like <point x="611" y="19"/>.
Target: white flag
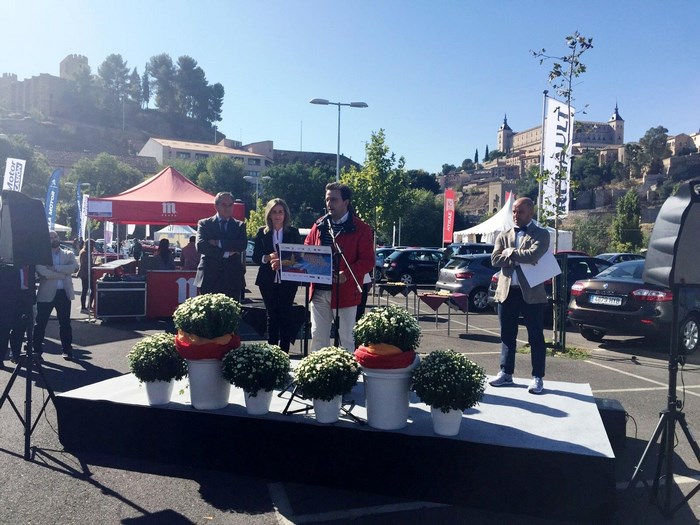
<point x="83" y="216"/>
<point x="130" y="229"/>
<point x="108" y="232"/>
<point x="14" y="174"/>
<point x="558" y="133"/>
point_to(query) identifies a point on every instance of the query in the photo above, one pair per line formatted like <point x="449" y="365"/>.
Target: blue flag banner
<point x="78" y="207"/>
<point x="52" y="198"/>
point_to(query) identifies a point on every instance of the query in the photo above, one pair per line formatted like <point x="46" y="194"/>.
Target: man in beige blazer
<point x="524" y="244"/>
<point x="55" y="291"/>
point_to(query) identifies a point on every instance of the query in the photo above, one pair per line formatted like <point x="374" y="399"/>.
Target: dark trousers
<point x="366" y="287"/>
<point x="281" y="327"/>
<point x="13" y="325"/>
<point x="62" y="305"/>
<point x="533" y="314"/>
<point x="83" y="294"/>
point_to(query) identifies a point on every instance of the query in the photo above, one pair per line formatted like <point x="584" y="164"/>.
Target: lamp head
<point x="321" y="101"/>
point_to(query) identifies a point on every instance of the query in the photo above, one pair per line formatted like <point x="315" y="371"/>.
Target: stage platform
<point x="545" y="455"/>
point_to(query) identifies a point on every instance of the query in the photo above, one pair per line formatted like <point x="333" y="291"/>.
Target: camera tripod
<point x="665" y="431"/>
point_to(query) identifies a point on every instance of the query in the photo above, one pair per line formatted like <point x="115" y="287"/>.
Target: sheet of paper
<point x="546" y="268"/>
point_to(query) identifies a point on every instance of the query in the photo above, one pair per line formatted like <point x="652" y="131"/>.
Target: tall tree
<point x="192" y="93"/>
<point x="422" y="222"/>
<point x="486" y="153"/>
<point x="654" y="143"/>
<point x="476" y="156"/>
<point x="162" y="71"/>
<point x="380" y="189"/>
<point x="36" y="171"/>
<point x="625" y="231"/>
<point x="135" y="92"/>
<point x="421" y="179"/>
<point x="106" y="174"/>
<point x="216" y="102"/>
<point x="448" y="168"/>
<point x="225" y="174"/>
<point x="467" y="165"/>
<point x="115" y="77"/>
<point x="586" y="172"/>
<point x="145" y="88"/>
<point x="302" y="186"/>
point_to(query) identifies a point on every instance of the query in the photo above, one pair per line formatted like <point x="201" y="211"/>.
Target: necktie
<point x="223" y="226"/>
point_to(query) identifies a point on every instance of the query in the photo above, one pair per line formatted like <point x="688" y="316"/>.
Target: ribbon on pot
<point x="191" y="346"/>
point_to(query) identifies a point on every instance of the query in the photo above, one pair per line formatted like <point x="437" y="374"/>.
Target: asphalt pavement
<point x="54" y="486"/>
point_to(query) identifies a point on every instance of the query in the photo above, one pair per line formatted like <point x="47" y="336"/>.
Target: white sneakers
<point x="503" y="379"/>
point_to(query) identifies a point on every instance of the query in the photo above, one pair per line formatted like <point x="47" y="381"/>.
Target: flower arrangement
<point x="206" y="326"/>
<point x="328" y="373"/>
<point x="257" y="366"/>
<point x="448" y="380"/>
<point x="155" y="358"/>
<point x="388" y="325"/>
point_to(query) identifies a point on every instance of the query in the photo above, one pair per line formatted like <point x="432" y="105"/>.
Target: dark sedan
<point x="413" y="265"/>
<point x="468" y="274"/>
<point x="618" y="302"/>
<point x="618" y="257"/>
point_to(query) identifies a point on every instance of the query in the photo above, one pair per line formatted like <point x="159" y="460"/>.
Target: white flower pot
<point x="208" y="388"/>
<point x="159" y="392"/>
<point x="327" y="411"/>
<point x="260" y="404"/>
<point x="386" y="395"/>
<point x="446" y="423"/>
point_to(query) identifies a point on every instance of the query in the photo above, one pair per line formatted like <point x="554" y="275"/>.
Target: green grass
<point x="570" y="352"/>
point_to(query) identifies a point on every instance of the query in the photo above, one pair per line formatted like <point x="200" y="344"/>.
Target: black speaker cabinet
<point x="120" y="299"/>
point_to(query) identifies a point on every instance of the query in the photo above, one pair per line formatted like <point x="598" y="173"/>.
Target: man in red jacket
<point x="354" y="238"/>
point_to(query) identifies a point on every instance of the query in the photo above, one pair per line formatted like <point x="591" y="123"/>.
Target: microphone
<point x="323" y="219"/>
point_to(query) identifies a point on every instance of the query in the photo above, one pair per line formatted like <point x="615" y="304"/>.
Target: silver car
<point x="470" y="275"/>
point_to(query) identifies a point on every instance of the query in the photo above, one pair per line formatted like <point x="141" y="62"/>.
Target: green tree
<point x="635" y="159"/>
<point x="106" y="174"/>
<point x="486" y="153"/>
<point x="380" y="189"/>
<point x="421" y="179"/>
<point x="528" y="185"/>
<point x="256" y="219"/>
<point x="216" y="103"/>
<point x="476" y="156"/>
<point x="448" y="168"/>
<point x="495" y="154"/>
<point x="225" y="174"/>
<point x="192" y="88"/>
<point x="625" y="231"/>
<point x="654" y="143"/>
<point x="421" y="224"/>
<point x="468" y="165"/>
<point x="303" y="188"/>
<point x="145" y="88"/>
<point x="586" y="172"/>
<point x="36" y="171"/>
<point x="115" y="78"/>
<point x="591" y="234"/>
<point x="135" y="92"/>
<point x="162" y="72"/>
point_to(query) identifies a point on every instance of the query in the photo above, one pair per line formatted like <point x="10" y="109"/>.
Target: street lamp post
<point x="324" y="102"/>
<point x="256" y="180"/>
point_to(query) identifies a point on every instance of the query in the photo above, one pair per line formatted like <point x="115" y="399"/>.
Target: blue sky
<point x="438" y="76"/>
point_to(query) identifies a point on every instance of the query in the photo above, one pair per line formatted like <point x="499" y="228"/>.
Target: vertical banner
<point x="130" y="229"/>
<point x="109" y="230"/>
<point x="83" y="217"/>
<point x="79" y="208"/>
<point x="14" y="174"/>
<point x="448" y="218"/>
<point x="52" y="198"/>
<point x="558" y="133"/>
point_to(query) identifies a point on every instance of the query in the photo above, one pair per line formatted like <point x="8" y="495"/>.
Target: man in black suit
<point x="220" y="241"/>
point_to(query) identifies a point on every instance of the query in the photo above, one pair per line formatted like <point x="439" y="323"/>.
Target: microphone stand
<point x="336" y="276"/>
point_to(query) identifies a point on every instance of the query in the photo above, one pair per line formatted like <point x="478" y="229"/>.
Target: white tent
<point x="176" y="234"/>
<point x="502" y="221"/>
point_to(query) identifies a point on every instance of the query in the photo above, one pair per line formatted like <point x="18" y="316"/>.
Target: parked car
<point x="620" y="257"/>
<point x="379" y="255"/>
<point x="618" y="302"/>
<point x="413" y="265"/>
<point x="578" y="267"/>
<point x="465" y="248"/>
<point x="468" y="274"/>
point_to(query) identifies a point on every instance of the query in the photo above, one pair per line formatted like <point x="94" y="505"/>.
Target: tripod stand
<point x="665" y="430"/>
<point x="27" y="362"/>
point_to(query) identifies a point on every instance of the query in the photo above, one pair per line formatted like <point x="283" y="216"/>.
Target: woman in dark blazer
<point x="277" y="296"/>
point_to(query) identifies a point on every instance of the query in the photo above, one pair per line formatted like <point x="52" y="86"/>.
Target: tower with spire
<point x="505" y="136"/>
<point x="618" y="126"/>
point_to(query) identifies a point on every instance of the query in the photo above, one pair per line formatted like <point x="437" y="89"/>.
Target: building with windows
<point x="524" y="148"/>
<point x="256" y="157"/>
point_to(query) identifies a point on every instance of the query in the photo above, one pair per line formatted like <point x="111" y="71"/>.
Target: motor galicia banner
<point x="52" y="198"/>
<point x="14" y="174"/>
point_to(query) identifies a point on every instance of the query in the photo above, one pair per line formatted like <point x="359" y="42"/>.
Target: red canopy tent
<point x="166" y="198"/>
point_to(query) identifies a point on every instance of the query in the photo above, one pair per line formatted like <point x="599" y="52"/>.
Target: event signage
<point x="14" y="174"/>
<point x="448" y="219"/>
<point x="306" y="264"/>
<point x="52" y="198"/>
<point x="83" y="217"/>
<point x="558" y="134"/>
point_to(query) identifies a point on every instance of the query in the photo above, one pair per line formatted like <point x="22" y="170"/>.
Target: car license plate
<point x="608" y="301"/>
